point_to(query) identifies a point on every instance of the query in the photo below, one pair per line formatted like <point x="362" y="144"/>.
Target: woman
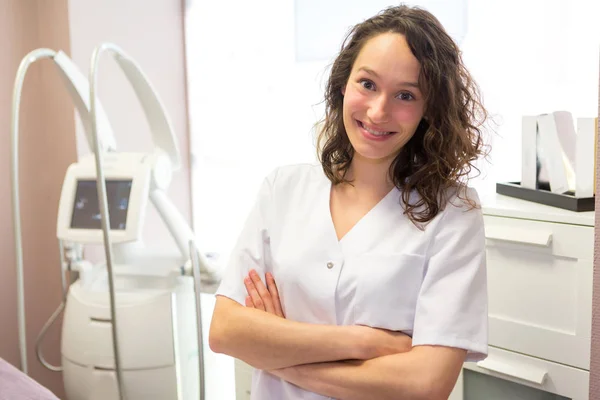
<point x="378" y="252"/>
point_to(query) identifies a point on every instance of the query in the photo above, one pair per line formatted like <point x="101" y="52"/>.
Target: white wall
<point x="252" y="104"/>
<point x="531" y="57"/>
<point x="251" y="107"/>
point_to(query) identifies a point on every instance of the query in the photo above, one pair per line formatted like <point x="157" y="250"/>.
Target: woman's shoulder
<point x="457" y="198"/>
<point x="461" y="205"/>
<point x="457" y="204"/>
<point x="462" y="197"/>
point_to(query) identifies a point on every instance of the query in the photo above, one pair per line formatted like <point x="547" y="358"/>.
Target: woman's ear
<point x="343" y="90"/>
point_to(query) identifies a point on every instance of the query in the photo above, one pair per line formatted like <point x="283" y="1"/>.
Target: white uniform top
<point x="384" y="272"/>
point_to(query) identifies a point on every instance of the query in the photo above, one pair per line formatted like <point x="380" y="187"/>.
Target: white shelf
<point x="506" y="206"/>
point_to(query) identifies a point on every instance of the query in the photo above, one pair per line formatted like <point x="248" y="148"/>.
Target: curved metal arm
<point x="29" y="59"/>
<point x="105" y="218"/>
<point x="78" y="87"/>
<point x="160" y="125"/>
<point x="182" y="233"/>
<point x="194" y="257"/>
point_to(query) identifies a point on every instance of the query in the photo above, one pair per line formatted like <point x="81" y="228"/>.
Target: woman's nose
<point x="379" y="110"/>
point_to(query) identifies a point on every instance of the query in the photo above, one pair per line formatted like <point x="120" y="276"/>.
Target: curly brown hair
<point x="448" y="140"/>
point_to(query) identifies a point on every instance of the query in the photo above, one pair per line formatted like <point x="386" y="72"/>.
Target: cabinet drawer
<point x="569" y="382"/>
<point x="540" y="288"/>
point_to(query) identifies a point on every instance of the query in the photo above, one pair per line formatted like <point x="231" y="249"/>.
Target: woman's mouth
<point x="373" y="133"/>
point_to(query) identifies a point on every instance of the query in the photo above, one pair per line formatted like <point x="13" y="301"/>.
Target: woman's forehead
<point x="388" y="56"/>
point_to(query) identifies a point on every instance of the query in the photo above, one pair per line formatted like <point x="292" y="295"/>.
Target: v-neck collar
<point x="351" y="241"/>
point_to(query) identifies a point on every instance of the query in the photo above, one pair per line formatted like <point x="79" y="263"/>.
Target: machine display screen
<point x="86" y="211"/>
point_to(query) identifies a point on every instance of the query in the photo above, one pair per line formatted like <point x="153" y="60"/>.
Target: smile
<point x="372" y="133"/>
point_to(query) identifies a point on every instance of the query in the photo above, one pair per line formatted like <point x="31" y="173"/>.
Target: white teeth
<point x="374" y="133"/>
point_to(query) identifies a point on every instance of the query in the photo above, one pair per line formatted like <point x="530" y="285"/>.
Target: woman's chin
<point x="373" y="157"/>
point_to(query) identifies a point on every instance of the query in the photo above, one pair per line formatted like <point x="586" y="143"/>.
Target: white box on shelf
<point x="551" y="153"/>
<point x="529" y="152"/>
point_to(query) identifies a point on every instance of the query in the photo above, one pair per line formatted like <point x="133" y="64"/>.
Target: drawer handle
<point x="523" y="372"/>
<point x="523" y="236"/>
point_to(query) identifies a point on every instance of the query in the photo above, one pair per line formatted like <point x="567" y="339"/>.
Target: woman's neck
<point x="371" y="176"/>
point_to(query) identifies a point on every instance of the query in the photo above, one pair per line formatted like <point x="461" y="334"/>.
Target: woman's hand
<point x="261" y="297"/>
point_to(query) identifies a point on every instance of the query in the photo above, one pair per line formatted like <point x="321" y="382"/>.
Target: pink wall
<point x="151" y="31"/>
<point x="46" y="149"/>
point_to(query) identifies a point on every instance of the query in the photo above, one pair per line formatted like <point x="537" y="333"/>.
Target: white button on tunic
<point x="385" y="272"/>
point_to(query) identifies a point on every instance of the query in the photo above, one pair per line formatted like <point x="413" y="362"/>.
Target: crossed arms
<point x="343" y="362"/>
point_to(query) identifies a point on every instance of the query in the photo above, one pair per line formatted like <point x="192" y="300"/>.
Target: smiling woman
<point x="382" y="109"/>
<point x="364" y="276"/>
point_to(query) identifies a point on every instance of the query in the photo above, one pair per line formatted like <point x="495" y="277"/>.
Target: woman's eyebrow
<point x="371" y="72"/>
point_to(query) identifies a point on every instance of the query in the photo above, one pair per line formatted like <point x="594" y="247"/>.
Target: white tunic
<point x="384" y="272"/>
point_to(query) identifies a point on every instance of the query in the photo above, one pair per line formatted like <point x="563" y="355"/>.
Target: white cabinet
<point x="540" y="295"/>
<point x="540" y="272"/>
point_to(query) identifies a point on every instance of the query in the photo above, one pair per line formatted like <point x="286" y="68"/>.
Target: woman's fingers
<point x="263" y="293"/>
<point x="253" y="294"/>
<point x="263" y="297"/>
<point x="274" y="294"/>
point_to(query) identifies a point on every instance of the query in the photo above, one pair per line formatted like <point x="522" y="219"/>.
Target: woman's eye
<point x="367" y="84"/>
<point x="406" y="96"/>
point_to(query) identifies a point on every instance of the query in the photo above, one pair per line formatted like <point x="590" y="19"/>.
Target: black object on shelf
<point x="543" y="195"/>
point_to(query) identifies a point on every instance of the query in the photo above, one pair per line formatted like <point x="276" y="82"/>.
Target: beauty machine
<point x="132" y="326"/>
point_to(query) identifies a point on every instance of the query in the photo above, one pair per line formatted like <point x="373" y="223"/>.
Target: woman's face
<point x="383" y="103"/>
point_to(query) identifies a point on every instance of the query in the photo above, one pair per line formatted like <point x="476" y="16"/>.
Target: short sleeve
<point x="452" y="308"/>
<point x="252" y="247"/>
